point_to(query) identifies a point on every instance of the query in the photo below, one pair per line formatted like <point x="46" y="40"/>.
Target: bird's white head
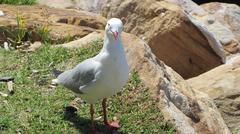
<point x="114" y="28"/>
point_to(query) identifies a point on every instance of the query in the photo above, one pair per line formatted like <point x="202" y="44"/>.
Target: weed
<point x="21" y="29"/>
<point x="44" y="33"/>
<point x="19" y="35"/>
<point x="16" y="36"/>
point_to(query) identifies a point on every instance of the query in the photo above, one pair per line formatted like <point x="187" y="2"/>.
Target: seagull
<point x="102" y="76"/>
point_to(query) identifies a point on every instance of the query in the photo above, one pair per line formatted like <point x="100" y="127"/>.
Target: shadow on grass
<point x="84" y="125"/>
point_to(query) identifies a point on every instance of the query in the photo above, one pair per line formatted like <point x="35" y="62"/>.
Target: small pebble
<point x="6" y="46"/>
<point x="29" y="110"/>
<point x="78" y="100"/>
<point x="98" y="118"/>
<point x="18" y="131"/>
<point x="3" y="94"/>
<point x="35" y="71"/>
<point x="210" y="21"/>
<point x="114" y="118"/>
<point x="1" y="13"/>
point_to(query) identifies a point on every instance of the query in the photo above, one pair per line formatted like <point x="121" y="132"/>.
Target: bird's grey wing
<point x="80" y="76"/>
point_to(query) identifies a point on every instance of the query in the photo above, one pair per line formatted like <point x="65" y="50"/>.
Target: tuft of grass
<point x="44" y="33"/>
<point x="21" y="35"/>
<point x="18" y="2"/>
<point x="35" y="108"/>
<point x="16" y="36"/>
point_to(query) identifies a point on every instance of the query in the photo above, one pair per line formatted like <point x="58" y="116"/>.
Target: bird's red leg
<point x="104" y="111"/>
<point x="112" y="124"/>
<point x="92" y="118"/>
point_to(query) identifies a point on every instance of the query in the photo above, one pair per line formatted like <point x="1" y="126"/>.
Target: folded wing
<point x="84" y="74"/>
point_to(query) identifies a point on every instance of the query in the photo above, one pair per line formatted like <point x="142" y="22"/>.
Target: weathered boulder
<point x="62" y="23"/>
<point x="211" y="23"/>
<point x="222" y="85"/>
<point x="229" y="16"/>
<point x="83" y="42"/>
<point x="87" y="5"/>
<point x="169" y="32"/>
<point x="189" y="110"/>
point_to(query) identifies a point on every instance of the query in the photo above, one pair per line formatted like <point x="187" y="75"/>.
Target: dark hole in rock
<point x="223" y="1"/>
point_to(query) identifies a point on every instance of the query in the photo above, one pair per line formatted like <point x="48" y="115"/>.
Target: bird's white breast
<point x="113" y="76"/>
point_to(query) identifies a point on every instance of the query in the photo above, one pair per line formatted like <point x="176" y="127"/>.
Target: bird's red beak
<point x="115" y="34"/>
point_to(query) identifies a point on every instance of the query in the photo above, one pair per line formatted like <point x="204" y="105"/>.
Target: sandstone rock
<point x="189" y="6"/>
<point x="225" y="36"/>
<point x="83" y="42"/>
<point x="169" y="32"/>
<point x="190" y="111"/>
<point x="87" y="5"/>
<point x="34" y="46"/>
<point x="221" y="32"/>
<point x="222" y="85"/>
<point x="212" y="40"/>
<point x="191" y="9"/>
<point x="229" y="16"/>
<point x="62" y="23"/>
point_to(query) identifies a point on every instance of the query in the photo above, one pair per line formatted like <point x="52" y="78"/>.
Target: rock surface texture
<point x="190" y="111"/>
<point x="212" y="24"/>
<point x="229" y="16"/>
<point x="62" y="23"/>
<point x="87" y="5"/>
<point x="222" y="85"/>
<point x="172" y="37"/>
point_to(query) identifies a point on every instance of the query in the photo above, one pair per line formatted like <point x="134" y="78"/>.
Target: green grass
<point x="18" y="2"/>
<point x="34" y="108"/>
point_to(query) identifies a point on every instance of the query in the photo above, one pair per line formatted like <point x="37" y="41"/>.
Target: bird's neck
<point x="111" y="49"/>
<point x="111" y="45"/>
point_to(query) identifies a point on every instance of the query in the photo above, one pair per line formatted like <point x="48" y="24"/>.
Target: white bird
<point x="101" y="76"/>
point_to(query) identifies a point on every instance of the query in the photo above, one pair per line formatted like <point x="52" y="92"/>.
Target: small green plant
<point x="21" y="28"/>
<point x="135" y="79"/>
<point x="16" y="36"/>
<point x="68" y="38"/>
<point x="18" y="2"/>
<point x="43" y="30"/>
<point x="44" y="33"/>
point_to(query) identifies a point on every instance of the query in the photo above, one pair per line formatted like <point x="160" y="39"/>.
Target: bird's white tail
<point x="54" y="82"/>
